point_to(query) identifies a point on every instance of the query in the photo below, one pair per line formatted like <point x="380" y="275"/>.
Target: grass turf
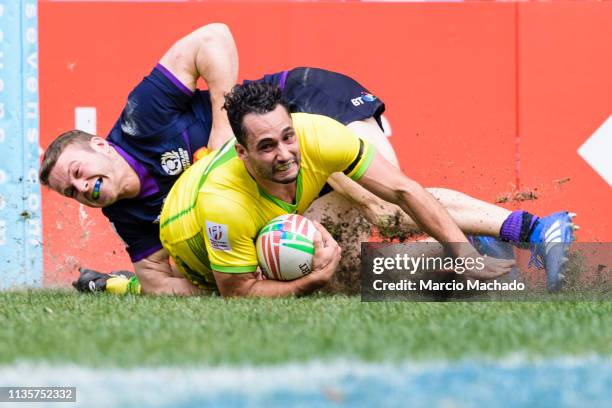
<point x="106" y="330"/>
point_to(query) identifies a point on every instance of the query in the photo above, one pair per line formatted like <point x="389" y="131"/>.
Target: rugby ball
<point x="285" y="247"/>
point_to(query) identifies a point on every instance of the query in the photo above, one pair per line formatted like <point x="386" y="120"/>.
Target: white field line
<point x="160" y="386"/>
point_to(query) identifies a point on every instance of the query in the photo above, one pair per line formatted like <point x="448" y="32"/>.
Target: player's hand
<point x="94" y="281"/>
<point x="493" y="267"/>
<point x="327" y="254"/>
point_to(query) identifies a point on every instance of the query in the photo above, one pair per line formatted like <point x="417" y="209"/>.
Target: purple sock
<point x="517" y="226"/>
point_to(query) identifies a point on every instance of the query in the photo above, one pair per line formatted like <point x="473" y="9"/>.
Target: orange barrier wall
<point x="448" y="73"/>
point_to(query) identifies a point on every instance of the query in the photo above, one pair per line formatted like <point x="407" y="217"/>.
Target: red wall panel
<point x="446" y="71"/>
<point x="566" y="94"/>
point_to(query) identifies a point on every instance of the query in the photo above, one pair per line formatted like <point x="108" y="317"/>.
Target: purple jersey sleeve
<point x="159" y="100"/>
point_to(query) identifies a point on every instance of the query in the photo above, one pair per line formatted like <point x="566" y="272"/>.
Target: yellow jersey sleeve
<point x="230" y="234"/>
<point x="333" y="146"/>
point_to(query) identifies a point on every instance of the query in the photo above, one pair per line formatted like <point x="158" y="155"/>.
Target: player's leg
<point x="370" y="130"/>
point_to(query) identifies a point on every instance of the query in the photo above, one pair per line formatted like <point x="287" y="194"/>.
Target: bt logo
<point x="361" y="100"/>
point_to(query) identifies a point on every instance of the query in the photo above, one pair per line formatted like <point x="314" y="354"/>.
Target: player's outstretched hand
<point x="327" y="254"/>
<point x="94" y="281"/>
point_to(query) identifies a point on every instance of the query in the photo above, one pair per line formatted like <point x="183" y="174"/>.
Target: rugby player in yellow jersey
<point x="278" y="164"/>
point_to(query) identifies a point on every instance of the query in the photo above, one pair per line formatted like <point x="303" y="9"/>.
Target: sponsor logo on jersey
<point x="174" y="162"/>
<point x="363" y="99"/>
<point x="218" y="236"/>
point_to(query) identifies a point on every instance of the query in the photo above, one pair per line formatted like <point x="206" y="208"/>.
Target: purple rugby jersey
<point x="163" y="123"/>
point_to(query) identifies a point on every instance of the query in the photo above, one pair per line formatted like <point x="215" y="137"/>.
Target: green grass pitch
<point x="106" y="330"/>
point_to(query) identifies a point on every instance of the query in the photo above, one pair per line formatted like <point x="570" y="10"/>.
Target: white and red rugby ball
<point x="285" y="247"/>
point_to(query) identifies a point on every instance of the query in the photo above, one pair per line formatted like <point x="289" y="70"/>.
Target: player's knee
<point x="369" y="130"/>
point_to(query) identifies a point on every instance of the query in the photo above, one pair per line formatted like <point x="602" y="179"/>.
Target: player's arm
<point x="158" y="277"/>
<point x="390" y="184"/>
<point x="208" y="52"/>
<point x="374" y="209"/>
<point x="324" y="264"/>
<point x="341" y="150"/>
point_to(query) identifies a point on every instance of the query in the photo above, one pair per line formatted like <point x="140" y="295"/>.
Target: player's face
<point x="272" y="150"/>
<point x="79" y="169"/>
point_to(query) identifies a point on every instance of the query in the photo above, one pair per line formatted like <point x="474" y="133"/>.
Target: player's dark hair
<point x="254" y="97"/>
<point x="57" y="147"/>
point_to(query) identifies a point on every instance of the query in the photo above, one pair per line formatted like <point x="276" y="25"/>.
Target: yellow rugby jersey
<point x="213" y="213"/>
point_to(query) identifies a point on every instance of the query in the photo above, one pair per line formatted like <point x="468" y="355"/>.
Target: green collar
<point x="289" y="208"/>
